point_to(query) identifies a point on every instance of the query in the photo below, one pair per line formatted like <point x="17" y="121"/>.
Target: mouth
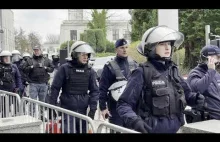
<point x="167" y="53"/>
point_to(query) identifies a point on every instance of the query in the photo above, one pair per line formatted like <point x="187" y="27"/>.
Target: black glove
<point x="200" y="100"/>
<point x="91" y="114"/>
<point x="50" y="114"/>
<point x="140" y="126"/>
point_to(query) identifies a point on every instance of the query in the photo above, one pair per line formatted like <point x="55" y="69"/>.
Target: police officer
<point x="17" y="60"/>
<point x="37" y="69"/>
<point x="154" y="98"/>
<point x="206" y="80"/>
<point x="76" y="78"/>
<point x="26" y="56"/>
<point x="45" y="54"/>
<point x="10" y="78"/>
<point x="114" y="71"/>
<point x="56" y="60"/>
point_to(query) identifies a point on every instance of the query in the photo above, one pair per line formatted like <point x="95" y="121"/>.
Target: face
<point x="37" y="52"/>
<point x="7" y="60"/>
<point x="216" y="58"/>
<point x="122" y="51"/>
<point x="83" y="57"/>
<point x="163" y="49"/>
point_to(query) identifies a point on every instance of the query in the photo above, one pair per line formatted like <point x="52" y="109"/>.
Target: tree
<point x="100" y="40"/>
<point x="91" y="38"/>
<point x="34" y="39"/>
<point x="99" y="20"/>
<point x="192" y="25"/>
<point x="52" y="39"/>
<point x="21" y="41"/>
<point x="142" y="19"/>
<point x="64" y="45"/>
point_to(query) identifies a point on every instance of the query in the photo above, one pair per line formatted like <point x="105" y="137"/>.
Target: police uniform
<point x="155" y="96"/>
<point x="207" y="82"/>
<point x="76" y="80"/>
<point x="108" y="77"/>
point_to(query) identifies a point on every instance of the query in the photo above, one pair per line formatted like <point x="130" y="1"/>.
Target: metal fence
<point x="9" y="104"/>
<point x="56" y="119"/>
<point x="105" y="127"/>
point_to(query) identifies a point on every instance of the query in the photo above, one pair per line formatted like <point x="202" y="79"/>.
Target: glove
<point x="140" y="126"/>
<point x="50" y="114"/>
<point x="200" y="100"/>
<point x="91" y="114"/>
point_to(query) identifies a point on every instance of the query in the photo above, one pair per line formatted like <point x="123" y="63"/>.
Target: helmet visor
<point x="16" y="58"/>
<point x="176" y="39"/>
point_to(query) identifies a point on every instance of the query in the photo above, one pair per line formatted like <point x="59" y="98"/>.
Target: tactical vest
<point x="117" y="71"/>
<point x="38" y="73"/>
<point x="163" y="94"/>
<point x="77" y="80"/>
<point x="6" y="77"/>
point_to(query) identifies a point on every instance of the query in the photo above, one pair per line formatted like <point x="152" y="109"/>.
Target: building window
<point x="115" y="34"/>
<point x="73" y="34"/>
<point x="126" y="34"/>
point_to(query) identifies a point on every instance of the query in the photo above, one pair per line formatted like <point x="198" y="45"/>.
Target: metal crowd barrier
<point x="105" y="127"/>
<point x="66" y="121"/>
<point x="9" y="104"/>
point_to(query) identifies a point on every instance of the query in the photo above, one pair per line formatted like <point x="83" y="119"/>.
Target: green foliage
<point x="192" y="25"/>
<point x="98" y="20"/>
<point x="65" y="44"/>
<point x="91" y="38"/>
<point x="110" y="47"/>
<point x="142" y="19"/>
<point x="82" y="35"/>
<point x="132" y="52"/>
<point x="105" y="54"/>
<point x="100" y="40"/>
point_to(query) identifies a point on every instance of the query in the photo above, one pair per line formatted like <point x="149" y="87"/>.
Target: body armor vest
<point x="38" y="73"/>
<point x="163" y="94"/>
<point x="6" y="77"/>
<point x="77" y="80"/>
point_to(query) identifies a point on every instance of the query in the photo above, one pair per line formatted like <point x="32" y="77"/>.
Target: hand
<point x="32" y="67"/>
<point x="92" y="114"/>
<point x="200" y="100"/>
<point x="211" y="62"/>
<point x="45" y="67"/>
<point x="140" y="126"/>
<point x="105" y="114"/>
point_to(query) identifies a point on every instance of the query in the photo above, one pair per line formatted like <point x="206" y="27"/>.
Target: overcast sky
<point x="46" y="22"/>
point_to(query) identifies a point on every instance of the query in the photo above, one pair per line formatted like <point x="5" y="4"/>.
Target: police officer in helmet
<point x="10" y="78"/>
<point x="56" y="60"/>
<point x="156" y="95"/>
<point x="17" y="60"/>
<point x="206" y="80"/>
<point x="112" y="81"/>
<point x="78" y="82"/>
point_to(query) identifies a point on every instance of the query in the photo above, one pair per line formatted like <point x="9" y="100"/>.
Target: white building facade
<point x="51" y="48"/>
<point x="76" y="24"/>
<point x="7" y="37"/>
